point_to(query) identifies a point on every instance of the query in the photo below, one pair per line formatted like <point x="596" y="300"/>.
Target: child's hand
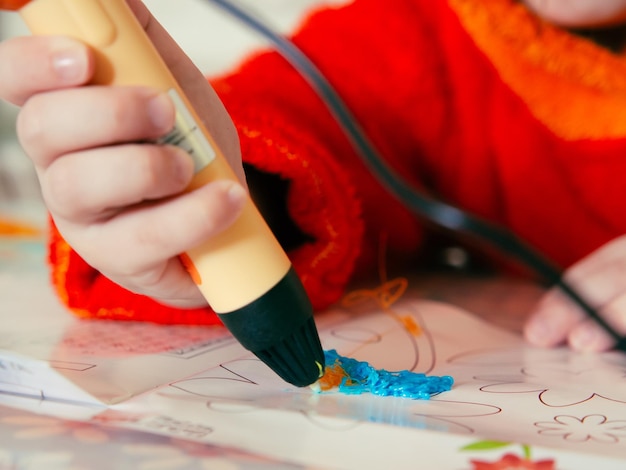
<point x="580" y="13"/>
<point x="600" y="278"/>
<point x="111" y="197"/>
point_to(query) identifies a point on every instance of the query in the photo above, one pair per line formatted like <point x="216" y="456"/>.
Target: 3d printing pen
<point x="243" y="273"/>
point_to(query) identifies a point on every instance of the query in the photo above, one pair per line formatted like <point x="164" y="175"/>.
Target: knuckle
<point x="149" y="167"/>
<point x="148" y="281"/>
<point x="59" y="190"/>
<point x="29" y="127"/>
<point x="122" y="109"/>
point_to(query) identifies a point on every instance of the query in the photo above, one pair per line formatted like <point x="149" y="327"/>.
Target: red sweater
<point x="480" y="102"/>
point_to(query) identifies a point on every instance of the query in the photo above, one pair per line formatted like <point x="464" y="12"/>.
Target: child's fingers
<point x="88" y="187"/>
<point x="96" y="116"/>
<point x="32" y="64"/>
<point x="557" y="321"/>
<point x="169" y="283"/>
<point x="135" y="241"/>
<point x="589" y="336"/>
<point x="581" y="13"/>
<point x="600" y="279"/>
<point x="552" y="320"/>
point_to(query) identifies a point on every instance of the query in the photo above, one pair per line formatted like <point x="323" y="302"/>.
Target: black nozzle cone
<point x="297" y="359"/>
<point x="279" y="329"/>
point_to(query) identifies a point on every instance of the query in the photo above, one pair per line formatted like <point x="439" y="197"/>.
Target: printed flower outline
<point x="560" y="377"/>
<point x="566" y="387"/>
<point x="591" y="427"/>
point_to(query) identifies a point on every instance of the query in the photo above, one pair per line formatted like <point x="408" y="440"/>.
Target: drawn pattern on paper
<point x="588" y="386"/>
<point x="557" y="382"/>
<point x="588" y="428"/>
<point x="507" y="391"/>
<point x="246" y="385"/>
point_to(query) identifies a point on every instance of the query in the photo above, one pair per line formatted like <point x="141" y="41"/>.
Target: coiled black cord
<point x="438" y="212"/>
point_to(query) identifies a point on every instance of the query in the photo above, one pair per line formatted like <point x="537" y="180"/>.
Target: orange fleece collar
<point x="573" y="86"/>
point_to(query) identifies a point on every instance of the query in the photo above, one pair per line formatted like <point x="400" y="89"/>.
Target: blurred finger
<point x="600" y="277"/>
<point x="552" y="320"/>
<point x="589" y="336"/>
<point x="88" y="186"/>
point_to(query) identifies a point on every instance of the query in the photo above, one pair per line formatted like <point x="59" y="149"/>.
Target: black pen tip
<point x="279" y="329"/>
<point x="298" y="358"/>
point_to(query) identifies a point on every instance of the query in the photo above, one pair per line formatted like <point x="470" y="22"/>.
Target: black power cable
<point x="438" y="212"/>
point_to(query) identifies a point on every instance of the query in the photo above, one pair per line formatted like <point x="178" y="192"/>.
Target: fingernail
<point x="587" y="338"/>
<point x="236" y="194"/>
<point x="538" y="332"/>
<point x="161" y="112"/>
<point x="69" y="62"/>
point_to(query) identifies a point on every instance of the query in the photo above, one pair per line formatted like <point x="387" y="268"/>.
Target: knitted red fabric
<point x="475" y="101"/>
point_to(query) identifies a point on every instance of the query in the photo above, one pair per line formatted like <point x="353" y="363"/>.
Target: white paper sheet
<point x="561" y="405"/>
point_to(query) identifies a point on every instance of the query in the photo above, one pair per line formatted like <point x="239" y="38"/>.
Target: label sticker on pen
<point x="188" y="136"/>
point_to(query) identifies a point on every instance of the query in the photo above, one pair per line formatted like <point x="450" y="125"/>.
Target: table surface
<point x="29" y="440"/>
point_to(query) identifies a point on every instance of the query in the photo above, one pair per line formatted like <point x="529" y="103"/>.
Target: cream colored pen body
<point x="126" y="57"/>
